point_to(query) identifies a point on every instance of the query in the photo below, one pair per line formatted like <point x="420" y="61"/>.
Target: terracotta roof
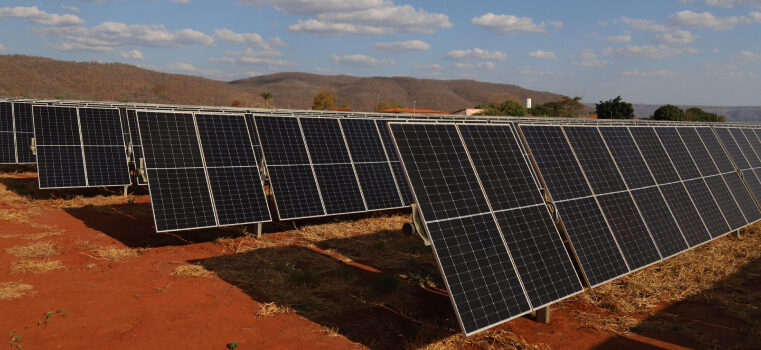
<point x="410" y="110"/>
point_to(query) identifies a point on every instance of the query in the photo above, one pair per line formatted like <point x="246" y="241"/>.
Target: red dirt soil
<point x="135" y="303"/>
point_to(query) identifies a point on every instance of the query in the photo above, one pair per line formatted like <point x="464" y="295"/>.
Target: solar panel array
<point x="79" y="147"/>
<point x="201" y="170"/>
<point x="329" y="166"/>
<point x="16" y="133"/>
<point x="497" y="246"/>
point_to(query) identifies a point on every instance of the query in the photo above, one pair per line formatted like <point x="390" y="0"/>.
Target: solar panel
<point x="103" y="146"/>
<point x="529" y="232"/>
<point x="59" y="148"/>
<point x="332" y="166"/>
<point x="396" y="166"/>
<point x="654" y="154"/>
<point x="690" y="222"/>
<point x="594" y="246"/>
<point x="177" y="182"/>
<point x="137" y="148"/>
<point x="629" y="160"/>
<point x="742" y="196"/>
<point x="292" y="179"/>
<point x="230" y="161"/>
<point x="707" y="207"/>
<point x="697" y="149"/>
<point x="7" y="134"/>
<point x="24" y="125"/>
<point x="476" y="267"/>
<point x="598" y="165"/>
<point x="755" y="146"/>
<point x="726" y="201"/>
<point x="660" y="221"/>
<point x="745" y="147"/>
<point x="371" y="164"/>
<point x="677" y="153"/>
<point x="714" y="147"/>
<point x="754" y="185"/>
<point x="556" y="162"/>
<point x="630" y="231"/>
<point x="732" y="148"/>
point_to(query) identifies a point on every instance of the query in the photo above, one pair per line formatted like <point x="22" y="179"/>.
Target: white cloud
<point x="477" y="54"/>
<point x="108" y="35"/>
<point x="315" y="27"/>
<point x="589" y="58"/>
<point x="725" y="72"/>
<point x="706" y="19"/>
<point x="430" y="67"/>
<point x="679" y="36"/>
<point x="360" y="61"/>
<point x="488" y="65"/>
<point x="402" y="46"/>
<point x="621" y="39"/>
<point x="649" y="51"/>
<point x="187" y="68"/>
<point x="180" y="1"/>
<point x="315" y="7"/>
<point x="541" y="54"/>
<point x="654" y="74"/>
<point x="645" y="25"/>
<point x="732" y="3"/>
<point x="360" y="17"/>
<point x="530" y="71"/>
<point x="509" y="24"/>
<point x="37" y="16"/>
<point x="70" y="8"/>
<point x="133" y="54"/>
<point x="747" y="56"/>
<point x="246" y="39"/>
<point x="251" y="56"/>
<point x="2" y="47"/>
<point x="76" y="46"/>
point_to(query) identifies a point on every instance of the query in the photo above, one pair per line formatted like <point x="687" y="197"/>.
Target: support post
<point x="736" y="233"/>
<point x="543" y="315"/>
<point x="125" y="190"/>
<point x="417" y="224"/>
<point x="259" y="230"/>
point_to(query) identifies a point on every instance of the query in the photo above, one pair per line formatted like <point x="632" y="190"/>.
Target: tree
<point x="614" y="109"/>
<point x="386" y="105"/>
<point x="668" y="112"/>
<point x="324" y="100"/>
<point x="266" y="96"/>
<point x="698" y="115"/>
<point x="544" y="110"/>
<point x="505" y="108"/>
<point x="570" y="107"/>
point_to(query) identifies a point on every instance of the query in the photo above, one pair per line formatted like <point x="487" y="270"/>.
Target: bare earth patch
<point x="13" y="290"/>
<point x="35" y="266"/>
<point x="36" y="250"/>
<point x="191" y="271"/>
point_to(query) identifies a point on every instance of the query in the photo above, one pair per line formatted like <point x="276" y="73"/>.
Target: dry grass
<point x="35" y="266"/>
<point x="13" y="290"/>
<point x="191" y="271"/>
<point x="331" y="332"/>
<point x="19" y="215"/>
<point x="271" y="309"/>
<point x="42" y="235"/>
<point x="36" y="250"/>
<point x="114" y="253"/>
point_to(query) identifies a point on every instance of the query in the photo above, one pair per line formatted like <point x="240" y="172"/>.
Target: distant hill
<point x="48" y="78"/>
<point x="737" y="114"/>
<point x="296" y="90"/>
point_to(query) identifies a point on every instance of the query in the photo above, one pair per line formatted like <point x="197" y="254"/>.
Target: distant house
<point x="468" y="111"/>
<point x="411" y="110"/>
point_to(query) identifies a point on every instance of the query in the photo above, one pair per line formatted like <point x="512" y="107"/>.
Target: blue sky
<point x="705" y="52"/>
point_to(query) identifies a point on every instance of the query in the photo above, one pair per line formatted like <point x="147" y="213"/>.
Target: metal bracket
<point x="543" y="315"/>
<point x="141" y="170"/>
<point x="417" y="225"/>
<point x="33" y="146"/>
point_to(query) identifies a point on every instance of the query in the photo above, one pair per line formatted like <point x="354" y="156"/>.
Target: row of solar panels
<point x="626" y="197"/>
